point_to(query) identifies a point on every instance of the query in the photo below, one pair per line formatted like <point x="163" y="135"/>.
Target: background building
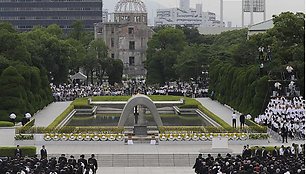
<point x="127" y="36"/>
<point x="25" y="14"/>
<point x="186" y="16"/>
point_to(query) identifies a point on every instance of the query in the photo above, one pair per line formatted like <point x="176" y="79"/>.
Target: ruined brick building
<point x="126" y="36"/>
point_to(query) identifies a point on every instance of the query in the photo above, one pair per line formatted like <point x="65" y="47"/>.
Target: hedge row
<point x="27" y="126"/>
<point x="10" y="151"/>
<point x="6" y="124"/>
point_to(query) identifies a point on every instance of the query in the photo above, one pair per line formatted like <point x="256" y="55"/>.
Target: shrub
<point x="258" y="136"/>
<point x="10" y="151"/>
<point x="27" y="126"/>
<point x="254" y="127"/>
<point x="6" y="124"/>
<point x="164" y="129"/>
<point x="24" y="137"/>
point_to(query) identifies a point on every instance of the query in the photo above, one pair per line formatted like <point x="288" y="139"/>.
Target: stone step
<point x="143" y="160"/>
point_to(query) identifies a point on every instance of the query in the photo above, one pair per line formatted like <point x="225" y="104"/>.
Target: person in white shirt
<point x="281" y="151"/>
<point x="234" y="118"/>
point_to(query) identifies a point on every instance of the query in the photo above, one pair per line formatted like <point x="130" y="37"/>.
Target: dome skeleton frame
<point x="130" y="6"/>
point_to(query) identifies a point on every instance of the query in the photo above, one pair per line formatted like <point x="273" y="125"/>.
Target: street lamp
<point x="13" y="117"/>
<point x="28" y="116"/>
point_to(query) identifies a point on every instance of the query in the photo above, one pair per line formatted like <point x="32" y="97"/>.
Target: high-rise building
<point x="186" y="16"/>
<point x="126" y="36"/>
<point x="25" y="14"/>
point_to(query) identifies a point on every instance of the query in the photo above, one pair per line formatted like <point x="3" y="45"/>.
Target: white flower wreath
<point x="87" y="137"/>
<point x="179" y="138"/>
<point x="96" y="138"/>
<point x="103" y="138"/>
<point x="47" y="138"/>
<point x="56" y="138"/>
<point x="72" y="138"/>
<point x="111" y="138"/>
<point x="119" y="137"/>
<point x="187" y="137"/>
<point x="163" y="137"/>
<point x="195" y="137"/>
<point x="171" y="137"/>
<point x="80" y="138"/>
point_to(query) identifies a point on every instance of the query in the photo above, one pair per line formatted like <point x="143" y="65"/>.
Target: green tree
<point x="115" y="71"/>
<point x="191" y="62"/>
<point x="162" y="52"/>
<point x="97" y="60"/>
<point x="12" y="93"/>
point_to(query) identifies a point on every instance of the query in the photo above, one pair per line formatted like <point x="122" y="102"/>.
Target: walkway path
<point x="49" y="113"/>
<point x="218" y="109"/>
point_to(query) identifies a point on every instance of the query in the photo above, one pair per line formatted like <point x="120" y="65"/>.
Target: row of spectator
<point x="285" y="116"/>
<point x="289" y="160"/>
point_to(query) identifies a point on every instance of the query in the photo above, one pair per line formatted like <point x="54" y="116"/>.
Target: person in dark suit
<point x="244" y="152"/>
<point x="18" y="152"/>
<point x="72" y="161"/>
<point x="242" y="120"/>
<point x="92" y="162"/>
<point x="43" y="152"/>
<point x="284" y="132"/>
<point x="82" y="161"/>
<point x="62" y="160"/>
<point x="257" y="152"/>
<point x="264" y="153"/>
<point x="275" y="152"/>
<point x="198" y="164"/>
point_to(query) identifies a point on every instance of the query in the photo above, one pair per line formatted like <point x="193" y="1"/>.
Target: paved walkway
<point x="218" y="109"/>
<point x="49" y="113"/>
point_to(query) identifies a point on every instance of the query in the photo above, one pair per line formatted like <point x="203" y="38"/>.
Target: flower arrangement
<point x="209" y="136"/>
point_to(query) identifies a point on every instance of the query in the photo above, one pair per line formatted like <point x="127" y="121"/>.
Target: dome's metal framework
<point x="130" y="6"/>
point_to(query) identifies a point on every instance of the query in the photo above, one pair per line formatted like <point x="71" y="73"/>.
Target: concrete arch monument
<point x="136" y="100"/>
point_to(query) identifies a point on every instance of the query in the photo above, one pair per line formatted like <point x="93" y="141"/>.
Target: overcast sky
<point x="232" y="8"/>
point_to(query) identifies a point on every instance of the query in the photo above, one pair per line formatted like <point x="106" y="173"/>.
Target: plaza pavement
<point x="46" y="116"/>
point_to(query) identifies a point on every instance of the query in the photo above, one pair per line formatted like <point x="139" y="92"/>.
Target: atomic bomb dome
<point x="130" y="6"/>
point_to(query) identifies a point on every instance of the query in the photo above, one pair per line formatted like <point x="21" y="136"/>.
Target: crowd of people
<point x="285" y="116"/>
<point x="34" y="165"/>
<point x="283" y="160"/>
<point x="69" y="92"/>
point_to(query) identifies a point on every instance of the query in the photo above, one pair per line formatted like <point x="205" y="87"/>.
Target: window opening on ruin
<point x="131" y="30"/>
<point x="113" y="55"/>
<point x="112" y="42"/>
<point x="132" y="45"/>
<point x="131" y="61"/>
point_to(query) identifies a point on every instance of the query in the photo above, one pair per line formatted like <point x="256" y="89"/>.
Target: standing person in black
<point x="92" y="162"/>
<point x="43" y="152"/>
<point x="284" y="132"/>
<point x="18" y="152"/>
<point x="242" y="120"/>
<point x="62" y="160"/>
<point x="275" y="152"/>
<point x="72" y="161"/>
<point x="264" y="152"/>
<point x="82" y="162"/>
<point x="198" y="164"/>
